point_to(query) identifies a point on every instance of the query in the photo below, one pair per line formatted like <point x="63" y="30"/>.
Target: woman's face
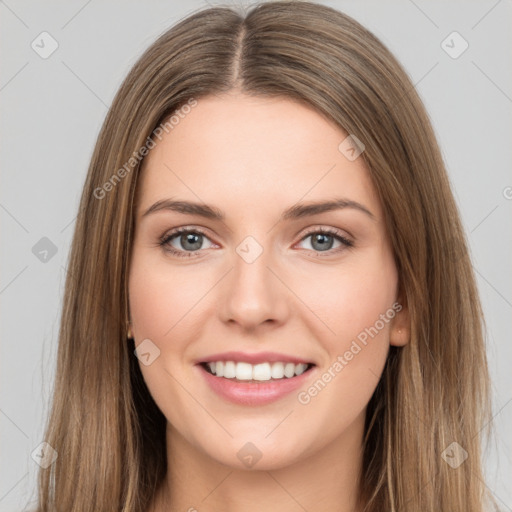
<point x="259" y="284"/>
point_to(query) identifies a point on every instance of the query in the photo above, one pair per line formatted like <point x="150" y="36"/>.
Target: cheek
<point x="360" y="302"/>
<point x="357" y="305"/>
<point x="165" y="307"/>
<point x="162" y="310"/>
<point x="351" y="298"/>
<point x="160" y="297"/>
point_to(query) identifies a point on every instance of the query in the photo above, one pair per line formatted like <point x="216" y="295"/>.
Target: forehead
<point x="253" y="151"/>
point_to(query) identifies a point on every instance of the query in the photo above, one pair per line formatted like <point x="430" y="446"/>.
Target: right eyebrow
<point x="186" y="207"/>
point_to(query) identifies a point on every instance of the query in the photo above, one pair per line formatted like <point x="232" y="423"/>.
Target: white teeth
<point x="261" y="371"/>
<point x="289" y="370"/>
<point x="300" y="369"/>
<point x="229" y="370"/>
<point x="244" y="371"/>
<point x="277" y="371"/>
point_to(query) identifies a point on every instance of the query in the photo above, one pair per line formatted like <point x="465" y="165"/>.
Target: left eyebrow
<point x="297" y="211"/>
<point x="306" y="209"/>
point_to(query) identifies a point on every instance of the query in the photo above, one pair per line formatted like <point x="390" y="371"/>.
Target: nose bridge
<point x="253" y="293"/>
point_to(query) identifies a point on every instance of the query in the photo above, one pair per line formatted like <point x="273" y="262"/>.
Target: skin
<point x="253" y="158"/>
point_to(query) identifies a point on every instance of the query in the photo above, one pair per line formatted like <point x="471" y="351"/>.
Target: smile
<point x="258" y="384"/>
<point x="243" y="371"/>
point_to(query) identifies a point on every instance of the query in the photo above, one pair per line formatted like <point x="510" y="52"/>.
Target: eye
<point x="322" y="240"/>
<point x="191" y="241"/>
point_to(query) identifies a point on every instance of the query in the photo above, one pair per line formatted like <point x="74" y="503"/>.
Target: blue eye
<point x="191" y="240"/>
<point x="323" y="239"/>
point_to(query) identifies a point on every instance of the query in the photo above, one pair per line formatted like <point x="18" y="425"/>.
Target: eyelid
<point x="328" y="230"/>
<point x="346" y="242"/>
<point x="337" y="233"/>
<point x="183" y="229"/>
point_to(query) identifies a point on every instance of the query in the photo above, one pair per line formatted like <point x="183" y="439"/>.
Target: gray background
<point x="52" y="110"/>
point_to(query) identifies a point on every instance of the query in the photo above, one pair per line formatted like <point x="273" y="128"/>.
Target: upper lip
<point x="254" y="358"/>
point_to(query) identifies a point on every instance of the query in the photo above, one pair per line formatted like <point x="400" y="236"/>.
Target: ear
<point x="400" y="329"/>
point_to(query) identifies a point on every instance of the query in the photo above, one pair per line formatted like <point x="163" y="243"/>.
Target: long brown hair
<point x="108" y="432"/>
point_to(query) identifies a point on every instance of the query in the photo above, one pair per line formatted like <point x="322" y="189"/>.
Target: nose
<point x="253" y="293"/>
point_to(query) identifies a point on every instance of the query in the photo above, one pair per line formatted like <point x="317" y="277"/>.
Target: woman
<point x="319" y="345"/>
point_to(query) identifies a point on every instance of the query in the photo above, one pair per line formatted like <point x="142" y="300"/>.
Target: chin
<point x="252" y="453"/>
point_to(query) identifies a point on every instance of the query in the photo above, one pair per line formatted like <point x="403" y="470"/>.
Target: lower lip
<point x="254" y="393"/>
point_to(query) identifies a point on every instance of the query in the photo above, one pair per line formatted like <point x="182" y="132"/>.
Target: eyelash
<point x="164" y="241"/>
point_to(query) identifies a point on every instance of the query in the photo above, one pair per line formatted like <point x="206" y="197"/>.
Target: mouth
<point x="244" y="372"/>
<point x="255" y="379"/>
